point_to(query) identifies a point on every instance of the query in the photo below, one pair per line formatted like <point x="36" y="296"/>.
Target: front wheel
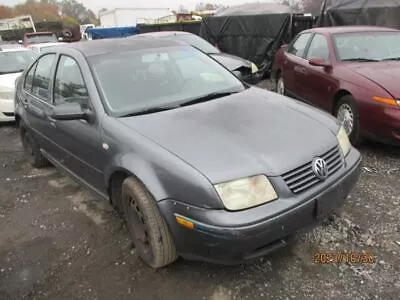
<point x="346" y="112"/>
<point x="280" y="85"/>
<point x="148" y="229"/>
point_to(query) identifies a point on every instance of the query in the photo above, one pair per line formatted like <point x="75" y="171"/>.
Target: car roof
<point x="105" y="46"/>
<point x="349" y="29"/>
<point x="40" y="45"/>
<point x="163" y="33"/>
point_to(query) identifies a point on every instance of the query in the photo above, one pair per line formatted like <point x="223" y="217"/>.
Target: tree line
<point x="68" y="11"/>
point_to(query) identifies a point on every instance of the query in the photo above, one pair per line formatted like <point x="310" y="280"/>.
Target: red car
<point x="352" y="72"/>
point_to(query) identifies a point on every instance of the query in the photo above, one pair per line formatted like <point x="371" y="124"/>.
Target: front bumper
<point x="7" y="110"/>
<point x="229" y="237"/>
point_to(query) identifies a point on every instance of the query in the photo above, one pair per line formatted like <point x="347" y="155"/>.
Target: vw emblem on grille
<point x="320" y="168"/>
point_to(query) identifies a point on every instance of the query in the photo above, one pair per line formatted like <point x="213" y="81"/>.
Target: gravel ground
<point x="58" y="241"/>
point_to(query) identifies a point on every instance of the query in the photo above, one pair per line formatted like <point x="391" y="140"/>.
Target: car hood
<point x="384" y="74"/>
<point x="253" y="132"/>
<point x="8" y="80"/>
<point x="231" y="62"/>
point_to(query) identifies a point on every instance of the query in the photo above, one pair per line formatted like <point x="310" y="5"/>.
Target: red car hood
<point x="385" y="74"/>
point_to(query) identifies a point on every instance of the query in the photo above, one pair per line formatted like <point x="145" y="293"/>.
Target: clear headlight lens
<point x="6" y="93"/>
<point x="254" y="68"/>
<point x="247" y="192"/>
<point x="344" y="141"/>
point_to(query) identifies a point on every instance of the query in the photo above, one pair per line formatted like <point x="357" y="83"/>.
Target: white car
<point x="38" y="48"/>
<point x="13" y="60"/>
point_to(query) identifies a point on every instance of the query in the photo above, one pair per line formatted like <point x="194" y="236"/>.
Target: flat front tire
<point x="148" y="229"/>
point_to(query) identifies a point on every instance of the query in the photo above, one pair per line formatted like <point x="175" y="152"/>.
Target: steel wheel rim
<point x="345" y="116"/>
<point x="280" y="86"/>
<point x="138" y="228"/>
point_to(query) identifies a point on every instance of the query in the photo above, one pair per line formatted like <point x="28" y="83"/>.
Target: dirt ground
<point x="58" y="241"/>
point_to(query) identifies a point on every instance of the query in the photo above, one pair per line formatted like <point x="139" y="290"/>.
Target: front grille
<point x="8" y="114"/>
<point x="303" y="177"/>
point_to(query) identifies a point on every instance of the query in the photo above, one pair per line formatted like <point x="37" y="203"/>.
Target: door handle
<point x="51" y="121"/>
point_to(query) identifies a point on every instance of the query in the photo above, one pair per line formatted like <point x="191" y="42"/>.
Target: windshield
<point x="43" y="38"/>
<point x="367" y="46"/>
<point x="195" y="41"/>
<point x="14" y="61"/>
<point x="135" y="81"/>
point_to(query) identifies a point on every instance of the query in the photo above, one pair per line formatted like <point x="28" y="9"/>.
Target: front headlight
<point x="6" y="93"/>
<point x="247" y="192"/>
<point x="344" y="141"/>
<point x="254" y="68"/>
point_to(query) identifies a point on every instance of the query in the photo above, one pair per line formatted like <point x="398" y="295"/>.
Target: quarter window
<point x="41" y="80"/>
<point x="318" y="48"/>
<point x="299" y="46"/>
<point x="69" y="85"/>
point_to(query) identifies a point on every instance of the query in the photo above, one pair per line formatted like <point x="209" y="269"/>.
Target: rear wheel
<point x="32" y="150"/>
<point x="346" y="112"/>
<point x="280" y="85"/>
<point x="148" y="229"/>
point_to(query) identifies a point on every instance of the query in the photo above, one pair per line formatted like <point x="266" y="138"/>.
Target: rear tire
<point x="346" y="112"/>
<point x="148" y="229"/>
<point x="32" y="150"/>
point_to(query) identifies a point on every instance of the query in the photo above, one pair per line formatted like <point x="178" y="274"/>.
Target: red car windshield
<point x="367" y="46"/>
<point x="41" y="38"/>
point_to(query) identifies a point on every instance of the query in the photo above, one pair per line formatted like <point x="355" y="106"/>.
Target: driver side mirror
<point x="69" y="111"/>
<point x="319" y="62"/>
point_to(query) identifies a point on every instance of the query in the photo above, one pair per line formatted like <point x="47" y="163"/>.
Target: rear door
<point x="37" y="101"/>
<point x="78" y="140"/>
<point x="293" y="63"/>
<point x="319" y="84"/>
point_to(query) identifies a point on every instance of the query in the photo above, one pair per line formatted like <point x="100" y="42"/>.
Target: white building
<point x="130" y="16"/>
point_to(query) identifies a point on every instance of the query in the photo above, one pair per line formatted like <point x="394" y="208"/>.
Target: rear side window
<point x="299" y="46"/>
<point x="29" y="78"/>
<point x="41" y="79"/>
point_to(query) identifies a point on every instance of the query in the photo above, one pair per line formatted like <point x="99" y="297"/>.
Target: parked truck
<point x="121" y="17"/>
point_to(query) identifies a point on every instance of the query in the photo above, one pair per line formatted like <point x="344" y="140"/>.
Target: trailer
<point x="122" y="17"/>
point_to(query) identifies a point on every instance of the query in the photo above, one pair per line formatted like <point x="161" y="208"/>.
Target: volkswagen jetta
<point x="200" y="164"/>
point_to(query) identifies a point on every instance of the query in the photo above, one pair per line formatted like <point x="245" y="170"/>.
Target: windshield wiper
<point x="149" y="110"/>
<point x="208" y="97"/>
<point x="391" y="58"/>
<point x="359" y="59"/>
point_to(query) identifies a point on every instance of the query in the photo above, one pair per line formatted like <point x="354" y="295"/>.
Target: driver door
<point x="78" y="140"/>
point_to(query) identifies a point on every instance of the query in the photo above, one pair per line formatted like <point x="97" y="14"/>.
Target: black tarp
<point x="360" y="12"/>
<point x="255" y="37"/>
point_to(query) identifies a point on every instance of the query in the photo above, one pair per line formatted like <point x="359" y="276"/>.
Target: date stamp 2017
<point x="344" y="257"/>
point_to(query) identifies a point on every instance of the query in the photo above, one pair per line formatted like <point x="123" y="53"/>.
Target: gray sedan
<point x="199" y="164"/>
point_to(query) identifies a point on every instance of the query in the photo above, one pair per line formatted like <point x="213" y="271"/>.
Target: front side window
<point x="299" y="46"/>
<point x="318" y="48"/>
<point x="158" y="77"/>
<point x="367" y="46"/>
<point x="69" y="85"/>
<point x="41" y="79"/>
<point x="14" y="61"/>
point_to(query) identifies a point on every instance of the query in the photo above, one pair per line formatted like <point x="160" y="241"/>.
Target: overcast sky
<point x="96" y="5"/>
